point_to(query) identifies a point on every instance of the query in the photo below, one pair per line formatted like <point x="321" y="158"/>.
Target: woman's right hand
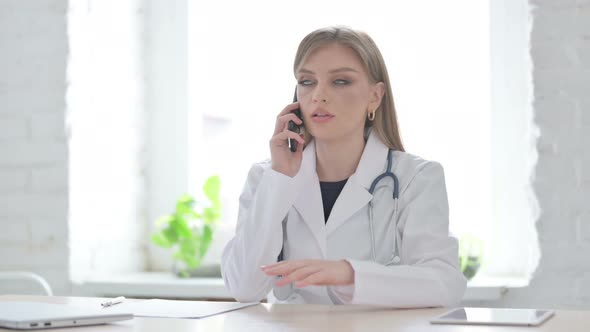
<point x="283" y="159"/>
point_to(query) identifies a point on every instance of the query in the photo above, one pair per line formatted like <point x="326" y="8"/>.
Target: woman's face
<point x="335" y="94"/>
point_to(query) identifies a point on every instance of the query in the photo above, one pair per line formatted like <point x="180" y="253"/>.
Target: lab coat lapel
<point x="309" y="202"/>
<point x="355" y="194"/>
<point x="351" y="199"/>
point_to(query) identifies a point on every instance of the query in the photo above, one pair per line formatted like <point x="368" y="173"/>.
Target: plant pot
<point x="211" y="270"/>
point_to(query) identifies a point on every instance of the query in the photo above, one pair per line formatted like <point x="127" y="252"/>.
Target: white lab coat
<point x="277" y="211"/>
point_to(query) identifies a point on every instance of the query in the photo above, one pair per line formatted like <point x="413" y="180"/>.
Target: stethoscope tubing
<point x="395" y="259"/>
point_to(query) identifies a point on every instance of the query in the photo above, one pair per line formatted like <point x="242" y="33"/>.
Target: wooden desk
<point x="299" y="317"/>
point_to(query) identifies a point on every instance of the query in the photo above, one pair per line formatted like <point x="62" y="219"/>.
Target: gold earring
<point x="371" y="116"/>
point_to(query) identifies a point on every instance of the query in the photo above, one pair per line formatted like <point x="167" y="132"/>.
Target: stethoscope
<point x="283" y="293"/>
<point x="394" y="259"/>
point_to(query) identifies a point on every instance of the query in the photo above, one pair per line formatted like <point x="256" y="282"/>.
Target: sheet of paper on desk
<point x="179" y="309"/>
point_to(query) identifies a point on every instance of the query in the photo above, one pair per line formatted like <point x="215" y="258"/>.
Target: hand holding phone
<point x="286" y="144"/>
<point x="292" y="126"/>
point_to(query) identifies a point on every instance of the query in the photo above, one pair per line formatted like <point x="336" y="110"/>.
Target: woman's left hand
<point x="311" y="272"/>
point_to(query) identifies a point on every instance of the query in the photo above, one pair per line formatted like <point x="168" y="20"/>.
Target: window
<point x="106" y="124"/>
<point x="438" y="55"/>
<point x="460" y="74"/>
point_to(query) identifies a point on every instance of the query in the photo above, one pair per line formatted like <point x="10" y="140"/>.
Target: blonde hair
<point x="385" y="123"/>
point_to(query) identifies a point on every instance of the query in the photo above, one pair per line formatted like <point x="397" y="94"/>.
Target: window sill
<point x="487" y="288"/>
<point x="166" y="285"/>
<point x="153" y="285"/>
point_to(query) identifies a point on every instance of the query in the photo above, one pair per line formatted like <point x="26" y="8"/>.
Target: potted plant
<point x="470" y="255"/>
<point x="189" y="230"/>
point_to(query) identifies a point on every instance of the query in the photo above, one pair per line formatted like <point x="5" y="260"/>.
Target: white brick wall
<point x="560" y="40"/>
<point x="33" y="151"/>
<point x="13" y="128"/>
<point x="13" y="181"/>
<point x="42" y="231"/>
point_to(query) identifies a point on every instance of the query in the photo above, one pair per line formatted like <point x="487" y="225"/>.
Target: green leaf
<point x="187" y="253"/>
<point x="186" y="258"/>
<point x="191" y="261"/>
<point x="170" y="233"/>
<point x="181" y="228"/>
<point x="205" y="240"/>
<point x="160" y="240"/>
<point x="186" y="200"/>
<point x="211" y="188"/>
<point x="164" y="221"/>
<point x="188" y="247"/>
<point x="192" y="215"/>
<point x="211" y="215"/>
<point x="184" y="204"/>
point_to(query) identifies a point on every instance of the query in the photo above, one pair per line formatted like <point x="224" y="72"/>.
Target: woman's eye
<point x="341" y="82"/>
<point x="305" y="82"/>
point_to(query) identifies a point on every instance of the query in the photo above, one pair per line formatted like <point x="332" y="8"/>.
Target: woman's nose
<point x="319" y="95"/>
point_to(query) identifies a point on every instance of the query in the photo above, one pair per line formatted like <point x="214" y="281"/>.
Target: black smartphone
<point x="292" y="126"/>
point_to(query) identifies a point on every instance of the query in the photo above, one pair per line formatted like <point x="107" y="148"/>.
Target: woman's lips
<point x="322" y="117"/>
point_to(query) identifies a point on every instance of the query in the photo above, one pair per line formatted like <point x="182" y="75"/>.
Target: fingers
<point x="298" y="274"/>
<point x="284" y="267"/>
<point x="293" y="271"/>
<point x="273" y="265"/>
<point x="288" y="109"/>
<point x="320" y="277"/>
<point x="311" y="272"/>
<point x="283" y="120"/>
<point x="280" y="139"/>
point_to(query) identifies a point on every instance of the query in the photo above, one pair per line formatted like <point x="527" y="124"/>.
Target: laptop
<point x="36" y="315"/>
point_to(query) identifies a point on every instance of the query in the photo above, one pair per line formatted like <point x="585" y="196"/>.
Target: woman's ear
<point x="377" y="92"/>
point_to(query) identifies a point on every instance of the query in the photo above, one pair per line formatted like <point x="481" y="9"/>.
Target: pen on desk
<point x="112" y="302"/>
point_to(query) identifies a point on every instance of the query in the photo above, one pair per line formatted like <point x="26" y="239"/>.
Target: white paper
<point x="177" y="309"/>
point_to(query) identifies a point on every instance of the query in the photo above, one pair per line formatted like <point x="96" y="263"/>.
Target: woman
<point x="337" y="239"/>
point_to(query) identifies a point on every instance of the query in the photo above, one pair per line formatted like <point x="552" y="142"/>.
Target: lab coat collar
<point x="309" y="201"/>
<point x="354" y="196"/>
